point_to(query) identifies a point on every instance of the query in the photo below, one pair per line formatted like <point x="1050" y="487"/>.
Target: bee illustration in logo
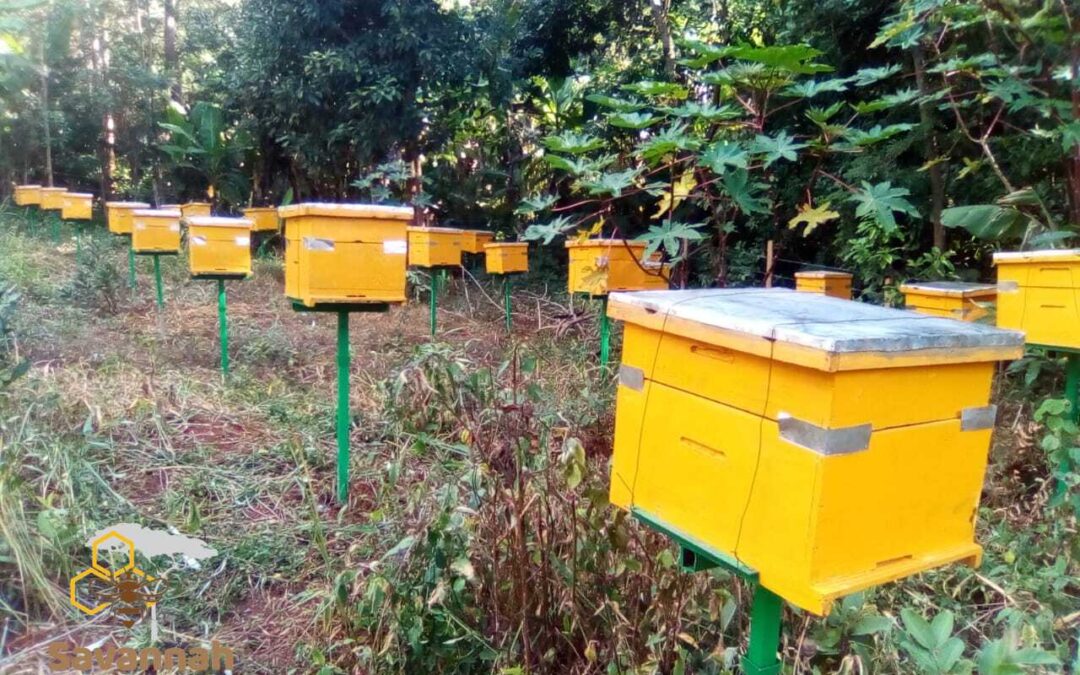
<point x="126" y="589"/>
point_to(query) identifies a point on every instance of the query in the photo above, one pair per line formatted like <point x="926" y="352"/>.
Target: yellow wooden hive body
<point x="601" y="266"/>
<point x="824" y="282"/>
<point x="1039" y="293"/>
<point x="120" y="215"/>
<point x="345" y="253"/>
<point x="950" y="299"/>
<point x="264" y="218"/>
<point x="27" y="195"/>
<point x="829" y="445"/>
<point x="155" y="231"/>
<point x="435" y="246"/>
<point x="52" y="199"/>
<point x="219" y="246"/>
<point x="77" y="206"/>
<point x="507" y="257"/>
<point x="474" y="241"/>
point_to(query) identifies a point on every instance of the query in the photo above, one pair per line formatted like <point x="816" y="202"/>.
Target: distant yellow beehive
<point x="193" y="209"/>
<point x="744" y="428"/>
<point x="155" y="231"/>
<point x="52" y="199"/>
<point x="219" y="246"/>
<point x="264" y="218"/>
<point x="345" y="253"/>
<point x="120" y="214"/>
<point x="507" y="257"/>
<point x="27" y="195"/>
<point x="601" y="266"/>
<point x="77" y="206"/>
<point x="435" y="246"/>
<point x="473" y="241"/>
<point x="950" y="299"/>
<point x="823" y="282"/>
<point x="1039" y="293"/>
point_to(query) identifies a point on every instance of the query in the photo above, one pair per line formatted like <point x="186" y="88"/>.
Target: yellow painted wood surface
<point x="219" y="246"/>
<point x="345" y="253"/>
<point x="264" y="218"/>
<point x="507" y="257"/>
<point x="601" y="266"/>
<point x="698" y="447"/>
<point x="77" y="206"/>
<point x="435" y="246"/>
<point x="155" y="231"/>
<point x="473" y="241"/>
<point x="962" y="305"/>
<point x="192" y="209"/>
<point x="52" y="199"/>
<point x="833" y="284"/>
<point x="1039" y="293"/>
<point x="119" y="215"/>
<point x="27" y="195"/>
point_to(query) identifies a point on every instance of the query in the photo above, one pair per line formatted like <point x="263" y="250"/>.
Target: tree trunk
<point x="46" y="122"/>
<point x="172" y="57"/>
<point x="932" y="149"/>
<point x="107" y="149"/>
<point x="1074" y="160"/>
<point x="660" y="10"/>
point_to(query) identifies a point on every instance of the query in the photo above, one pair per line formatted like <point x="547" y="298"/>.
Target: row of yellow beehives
<point x="72" y="205"/>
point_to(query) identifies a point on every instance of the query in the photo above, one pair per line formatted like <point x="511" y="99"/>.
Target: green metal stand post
<point x="434" y="301"/>
<point x="131" y="266"/>
<point x="507" y="281"/>
<point x="605" y="334"/>
<point x="343" y="407"/>
<point x="157" y="281"/>
<point x="223" y="327"/>
<point x="765" y="616"/>
<point x="1072" y="393"/>
<point x="55" y="228"/>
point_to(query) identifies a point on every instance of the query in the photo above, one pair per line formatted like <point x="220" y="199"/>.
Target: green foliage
<point x="201" y="141"/>
<point x="1061" y="443"/>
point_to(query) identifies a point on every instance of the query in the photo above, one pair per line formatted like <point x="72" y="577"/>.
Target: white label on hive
<point x="198" y="241"/>
<point x="395" y="247"/>
<point x="601" y="261"/>
<point x="139" y="225"/>
<point x="316" y="244"/>
<point x="175" y="227"/>
<point x="243" y="241"/>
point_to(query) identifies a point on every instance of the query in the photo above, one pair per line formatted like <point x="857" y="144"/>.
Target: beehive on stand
<point x="219" y="247"/>
<point x="52" y="199"/>
<point x="601" y="266"/>
<point x="27" y="195"/>
<point x="120" y="215"/>
<point x="824" y="282"/>
<point x="507" y="257"/>
<point x="194" y="209"/>
<point x="744" y="428"/>
<point x="155" y="231"/>
<point x="1039" y="293"/>
<point x="435" y="246"/>
<point x="345" y="253"/>
<point x="950" y="299"/>
<point x="77" y="206"/>
<point x="474" y="241"/>
<point x="263" y="218"/>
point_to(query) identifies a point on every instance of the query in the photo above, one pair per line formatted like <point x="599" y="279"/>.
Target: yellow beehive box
<point x="193" y="209"/>
<point x="600" y="266"/>
<point x="219" y="247"/>
<point x="119" y="215"/>
<point x="155" y="231"/>
<point x="744" y="428"/>
<point x="435" y="246"/>
<point x="824" y="282"/>
<point x="172" y="207"/>
<point x="264" y="218"/>
<point x="507" y="257"/>
<point x="52" y="199"/>
<point x="951" y="299"/>
<point x="77" y="206"/>
<point x="1039" y="293"/>
<point x="27" y="195"/>
<point x="474" y="241"/>
<point x="345" y="253"/>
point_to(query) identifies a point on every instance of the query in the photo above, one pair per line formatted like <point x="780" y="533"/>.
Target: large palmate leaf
<point x="611" y="183"/>
<point x="536" y="204"/>
<point x="669" y="237"/>
<point x="547" y="232"/>
<point x="887" y="102"/>
<point x="723" y="155"/>
<point x="812" y="216"/>
<point x="737" y="185"/>
<point x="616" y="104"/>
<point x="881" y="202"/>
<point x="811" y="88"/>
<point x="632" y="120"/>
<point x="579" y="166"/>
<point x="705" y="111"/>
<point x="573" y="143"/>
<point x="791" y="58"/>
<point x="669" y="141"/>
<point x="876" y="134"/>
<point x="658" y="89"/>
<point x="774" y="148"/>
<point x="674" y="195"/>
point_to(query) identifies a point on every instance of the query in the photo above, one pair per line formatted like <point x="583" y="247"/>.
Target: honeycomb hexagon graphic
<point x="98" y="570"/>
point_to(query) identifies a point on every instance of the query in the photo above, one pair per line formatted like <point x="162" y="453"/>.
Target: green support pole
<point x="434" y="300"/>
<point x="507" y="280"/>
<point x="343" y="407"/>
<point x="765" y="615"/>
<point x="223" y="327"/>
<point x="1072" y="393"/>
<point x="78" y="248"/>
<point x="605" y="334"/>
<point x="157" y="282"/>
<point x="131" y="266"/>
<point x="55" y="229"/>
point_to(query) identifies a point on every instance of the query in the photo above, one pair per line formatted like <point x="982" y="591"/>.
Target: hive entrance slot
<point x="894" y="561"/>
